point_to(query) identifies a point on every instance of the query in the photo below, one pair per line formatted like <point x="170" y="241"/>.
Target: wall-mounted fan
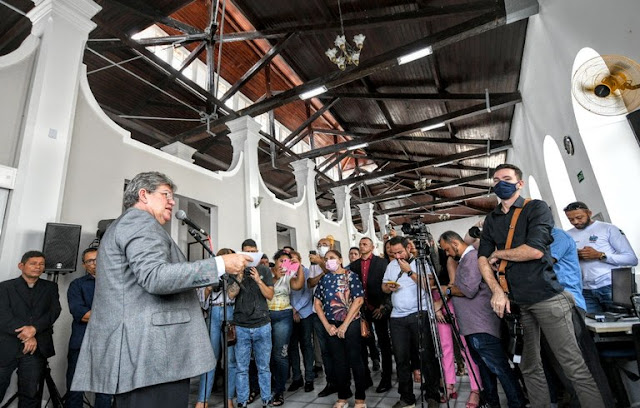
<point x="608" y="85"/>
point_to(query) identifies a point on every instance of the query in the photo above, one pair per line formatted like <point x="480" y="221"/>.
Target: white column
<point x="63" y="27"/>
<point x="342" y="197"/>
<point x="180" y="150"/>
<point x="244" y="139"/>
<point x="366" y="215"/>
<point x="383" y="221"/>
<point x="305" y="174"/>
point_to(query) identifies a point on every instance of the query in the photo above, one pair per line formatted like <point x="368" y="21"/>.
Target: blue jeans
<point x="215" y="333"/>
<point x="258" y="339"/>
<point x="74" y="398"/>
<point x="598" y="300"/>
<point x="492" y="362"/>
<point x="301" y="337"/>
<point x="281" y="327"/>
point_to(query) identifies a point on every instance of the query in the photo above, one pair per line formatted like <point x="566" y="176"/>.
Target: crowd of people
<point x="138" y="336"/>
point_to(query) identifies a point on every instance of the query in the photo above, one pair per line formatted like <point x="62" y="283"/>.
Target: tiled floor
<point x="300" y="399"/>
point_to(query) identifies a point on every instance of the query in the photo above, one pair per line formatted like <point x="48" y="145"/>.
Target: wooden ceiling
<point x="273" y="51"/>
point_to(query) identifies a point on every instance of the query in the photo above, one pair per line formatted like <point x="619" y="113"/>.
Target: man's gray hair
<point x="149" y="181"/>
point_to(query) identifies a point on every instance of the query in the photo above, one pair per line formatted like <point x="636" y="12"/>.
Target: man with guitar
<point x="515" y="242"/>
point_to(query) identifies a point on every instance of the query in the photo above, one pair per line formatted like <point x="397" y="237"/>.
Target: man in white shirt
<point x="601" y="247"/>
<point x="400" y="279"/>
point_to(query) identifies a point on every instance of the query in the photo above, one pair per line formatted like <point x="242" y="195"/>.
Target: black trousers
<point x="381" y="328"/>
<point x="31" y="369"/>
<point x="167" y="395"/>
<point x="404" y="336"/>
<point x="346" y="355"/>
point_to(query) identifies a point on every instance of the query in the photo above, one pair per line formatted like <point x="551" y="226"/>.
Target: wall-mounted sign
<point x="580" y="177"/>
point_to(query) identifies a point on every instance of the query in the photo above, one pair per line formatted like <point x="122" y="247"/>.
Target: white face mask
<point x="322" y="251"/>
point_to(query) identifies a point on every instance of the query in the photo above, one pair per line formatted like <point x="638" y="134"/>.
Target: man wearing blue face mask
<point x="533" y="287"/>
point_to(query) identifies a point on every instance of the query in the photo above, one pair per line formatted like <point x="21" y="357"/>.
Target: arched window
<point x="534" y="190"/>
<point x="559" y="182"/>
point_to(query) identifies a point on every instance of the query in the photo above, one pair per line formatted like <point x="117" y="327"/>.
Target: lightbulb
<point x="358" y="40"/>
<point x="331" y="54"/>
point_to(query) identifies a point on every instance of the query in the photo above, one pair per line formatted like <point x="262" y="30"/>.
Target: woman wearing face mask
<point x="321" y="339"/>
<point x="281" y="314"/>
<point x="338" y="299"/>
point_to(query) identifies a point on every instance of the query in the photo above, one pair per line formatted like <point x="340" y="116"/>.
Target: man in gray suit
<point x="146" y="336"/>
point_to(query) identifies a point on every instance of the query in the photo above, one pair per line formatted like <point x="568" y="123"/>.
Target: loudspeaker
<point x="634" y="122"/>
<point x="61" y="243"/>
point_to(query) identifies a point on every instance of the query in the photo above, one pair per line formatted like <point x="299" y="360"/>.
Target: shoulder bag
<point x="502" y="268"/>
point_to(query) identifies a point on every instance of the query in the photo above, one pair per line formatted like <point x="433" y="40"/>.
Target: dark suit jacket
<point x="23" y="306"/>
<point x="375" y="295"/>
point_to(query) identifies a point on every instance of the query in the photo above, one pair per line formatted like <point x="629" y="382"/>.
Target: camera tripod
<point x="424" y="268"/>
<point x="54" y="394"/>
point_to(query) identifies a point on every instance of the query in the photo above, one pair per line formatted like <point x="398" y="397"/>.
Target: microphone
<point x="182" y="216"/>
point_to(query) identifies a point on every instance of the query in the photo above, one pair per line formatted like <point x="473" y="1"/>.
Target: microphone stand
<point x="202" y="240"/>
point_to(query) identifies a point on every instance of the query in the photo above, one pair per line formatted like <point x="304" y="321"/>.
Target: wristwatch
<point x="409" y="273"/>
<point x="448" y="292"/>
<point x="603" y="256"/>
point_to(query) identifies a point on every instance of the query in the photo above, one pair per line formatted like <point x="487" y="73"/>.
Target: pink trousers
<point x="448" y="357"/>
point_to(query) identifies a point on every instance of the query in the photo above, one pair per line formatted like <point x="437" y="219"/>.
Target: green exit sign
<point x="580" y="177"/>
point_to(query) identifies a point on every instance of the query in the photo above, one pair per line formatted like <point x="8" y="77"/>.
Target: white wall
<point x="461" y="226"/>
<point x="103" y="156"/>
<point x="15" y="77"/>
<point x="554" y="38"/>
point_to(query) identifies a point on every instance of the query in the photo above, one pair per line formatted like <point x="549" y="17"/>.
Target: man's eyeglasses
<point x="576" y="206"/>
<point x="167" y="194"/>
<point x="89" y="261"/>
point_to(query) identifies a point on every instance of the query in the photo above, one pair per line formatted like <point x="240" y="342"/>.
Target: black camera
<point x="475" y="232"/>
<point x="415" y="229"/>
<point x="516" y="336"/>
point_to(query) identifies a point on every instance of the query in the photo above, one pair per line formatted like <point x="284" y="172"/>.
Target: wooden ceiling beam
<point x="446" y="140"/>
<point x="402" y="130"/>
<point x="262" y="62"/>
<point x="436" y="97"/>
<point x="288" y="140"/>
<point x="431" y="204"/>
<point x="422" y="164"/>
<point x="168" y="70"/>
<point x="384" y="61"/>
<point x="360" y="23"/>
<point x="336" y="132"/>
<point x="142" y="9"/>
<point x="434" y="187"/>
<point x="20" y="29"/>
<point x="171" y="78"/>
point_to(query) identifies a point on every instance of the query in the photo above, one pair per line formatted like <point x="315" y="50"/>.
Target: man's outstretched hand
<point x="235" y="263"/>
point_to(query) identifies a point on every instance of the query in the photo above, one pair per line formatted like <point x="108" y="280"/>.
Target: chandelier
<point x="344" y="53"/>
